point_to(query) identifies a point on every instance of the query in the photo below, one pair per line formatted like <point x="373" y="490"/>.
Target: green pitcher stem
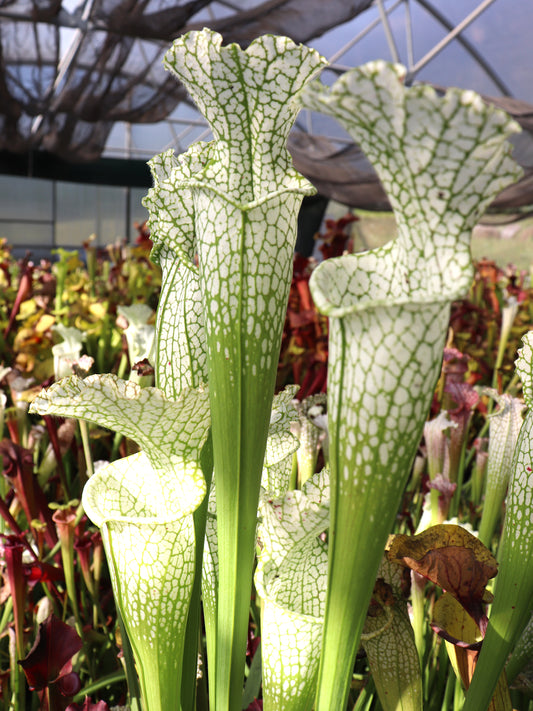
<point x="242" y="220"/>
<point x="134" y="691"/>
<point x="192" y="633"/>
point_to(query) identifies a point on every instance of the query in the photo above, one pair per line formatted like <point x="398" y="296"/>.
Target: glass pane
<point x="138" y="213"/>
<point x="28" y="235"/>
<point x="83" y="210"/>
<point x="26" y="198"/>
<point x="112" y="216"/>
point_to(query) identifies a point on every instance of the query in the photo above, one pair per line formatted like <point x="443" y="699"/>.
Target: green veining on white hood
<point x="524" y="368"/>
<point x="281" y="443"/>
<point x="143" y="505"/>
<point x="291" y="578"/>
<point x="389" y="642"/>
<point x="441" y="160"/>
<point x="247" y="98"/>
<point x="181" y="345"/>
<point x="139" y="333"/>
<point x="171" y="433"/>
<point x="150" y="551"/>
<point x="505" y="426"/>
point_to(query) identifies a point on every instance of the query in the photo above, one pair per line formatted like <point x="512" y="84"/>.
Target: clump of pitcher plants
<point x="194" y="521"/>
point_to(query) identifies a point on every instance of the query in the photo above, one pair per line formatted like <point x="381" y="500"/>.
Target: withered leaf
<point x="451" y="621"/>
<point x="452" y="558"/>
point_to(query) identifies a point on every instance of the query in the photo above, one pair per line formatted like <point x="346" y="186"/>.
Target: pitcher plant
<point x="218" y="462"/>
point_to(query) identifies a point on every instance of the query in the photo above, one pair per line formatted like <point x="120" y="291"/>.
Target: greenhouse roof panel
<point x="84" y="79"/>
